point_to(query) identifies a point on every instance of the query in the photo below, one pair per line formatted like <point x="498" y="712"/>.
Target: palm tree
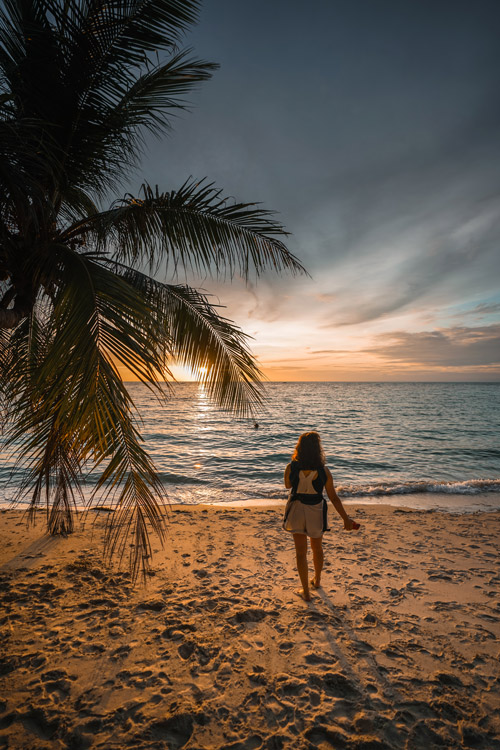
<point x="81" y="84"/>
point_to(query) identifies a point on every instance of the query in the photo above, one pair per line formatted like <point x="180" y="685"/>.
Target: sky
<point x="373" y="128"/>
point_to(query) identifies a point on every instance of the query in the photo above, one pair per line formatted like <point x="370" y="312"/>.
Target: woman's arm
<point x="288" y="484"/>
<point x="336" y="501"/>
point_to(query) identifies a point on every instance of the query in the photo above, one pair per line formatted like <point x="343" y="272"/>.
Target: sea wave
<point x="468" y="487"/>
<point x="166" y="477"/>
<point x="377" y="489"/>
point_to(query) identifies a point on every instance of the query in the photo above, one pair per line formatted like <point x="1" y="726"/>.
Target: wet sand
<point x="398" y="649"/>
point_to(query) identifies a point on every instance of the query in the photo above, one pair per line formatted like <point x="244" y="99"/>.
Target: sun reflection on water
<point x="203" y="400"/>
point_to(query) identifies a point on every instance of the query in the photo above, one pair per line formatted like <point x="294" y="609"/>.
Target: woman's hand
<point x="350" y="525"/>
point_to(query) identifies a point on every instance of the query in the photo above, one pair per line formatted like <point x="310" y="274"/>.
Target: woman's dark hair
<point x="309" y="452"/>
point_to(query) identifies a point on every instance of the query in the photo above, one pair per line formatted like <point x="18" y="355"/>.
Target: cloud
<point x="332" y="351"/>
<point x="483" y="309"/>
<point x="381" y="153"/>
<point x="453" y="255"/>
<point x="454" y="347"/>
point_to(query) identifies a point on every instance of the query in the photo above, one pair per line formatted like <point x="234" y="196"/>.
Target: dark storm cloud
<point x="454" y="347"/>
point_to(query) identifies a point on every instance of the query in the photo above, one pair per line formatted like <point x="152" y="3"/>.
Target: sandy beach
<point x="398" y="649"/>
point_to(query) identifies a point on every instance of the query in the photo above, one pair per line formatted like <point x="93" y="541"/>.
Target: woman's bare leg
<point x="301" y="554"/>
<point x="317" y="550"/>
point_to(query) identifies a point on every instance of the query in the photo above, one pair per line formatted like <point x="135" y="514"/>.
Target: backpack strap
<point x="320" y="481"/>
<point x="294" y="477"/>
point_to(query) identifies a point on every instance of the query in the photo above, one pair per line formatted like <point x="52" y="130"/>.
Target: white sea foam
<point x="468" y="487"/>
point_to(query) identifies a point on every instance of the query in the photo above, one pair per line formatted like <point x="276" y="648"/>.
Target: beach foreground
<point x="399" y="649"/>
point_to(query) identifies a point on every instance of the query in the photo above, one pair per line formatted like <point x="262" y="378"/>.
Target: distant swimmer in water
<point x="306" y="512"/>
<point x="256" y="425"/>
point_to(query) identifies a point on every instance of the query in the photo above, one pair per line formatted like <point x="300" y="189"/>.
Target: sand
<point x="399" y="649"/>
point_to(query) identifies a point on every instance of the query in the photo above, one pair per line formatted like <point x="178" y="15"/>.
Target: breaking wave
<point x="468" y="487"/>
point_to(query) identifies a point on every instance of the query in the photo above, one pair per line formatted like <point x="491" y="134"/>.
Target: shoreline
<point x="453" y="503"/>
<point x="446" y="502"/>
<point x="399" y="648"/>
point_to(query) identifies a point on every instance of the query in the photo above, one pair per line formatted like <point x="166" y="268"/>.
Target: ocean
<point x="423" y="445"/>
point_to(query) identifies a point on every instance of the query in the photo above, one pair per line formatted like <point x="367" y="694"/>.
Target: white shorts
<point x="300" y="518"/>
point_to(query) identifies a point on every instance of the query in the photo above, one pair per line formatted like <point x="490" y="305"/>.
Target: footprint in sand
<point x="201" y="572"/>
<point x="175" y="732"/>
<point x="257" y="675"/>
<point x="186" y="649"/>
<point x="313" y="658"/>
<point x="258" y="645"/>
<point x="253" y="742"/>
<point x="320" y="735"/>
<point x="290" y="685"/>
<point x="151" y="605"/>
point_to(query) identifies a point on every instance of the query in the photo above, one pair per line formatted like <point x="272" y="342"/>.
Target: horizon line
<point x="358" y="382"/>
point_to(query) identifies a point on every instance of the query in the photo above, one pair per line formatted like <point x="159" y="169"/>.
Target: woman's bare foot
<point x="303" y="595"/>
<point x="314" y="584"/>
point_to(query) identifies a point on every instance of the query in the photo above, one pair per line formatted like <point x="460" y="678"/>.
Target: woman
<point x="306" y="511"/>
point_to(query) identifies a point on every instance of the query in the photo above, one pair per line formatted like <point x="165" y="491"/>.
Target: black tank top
<point x="318" y="484"/>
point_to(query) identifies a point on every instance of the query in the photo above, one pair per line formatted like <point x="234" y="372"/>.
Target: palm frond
<point x="103" y="35"/>
<point x="73" y="406"/>
<point x="26" y="166"/>
<point x="85" y="69"/>
<point x="193" y="228"/>
<point x="197" y="336"/>
<point x="153" y="97"/>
